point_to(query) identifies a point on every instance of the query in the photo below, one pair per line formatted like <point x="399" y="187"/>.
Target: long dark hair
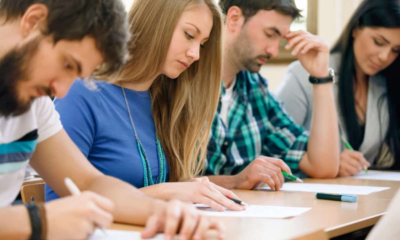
<point x="371" y="13"/>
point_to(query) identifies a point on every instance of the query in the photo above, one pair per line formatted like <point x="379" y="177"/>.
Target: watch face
<point x="332" y="74"/>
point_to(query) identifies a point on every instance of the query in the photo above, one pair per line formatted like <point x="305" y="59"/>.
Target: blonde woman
<point x="151" y="127"/>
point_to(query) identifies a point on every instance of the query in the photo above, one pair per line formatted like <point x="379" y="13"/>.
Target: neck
<point x="361" y="77"/>
<point x="229" y="69"/>
<point x="140" y="86"/>
<point x="10" y="35"/>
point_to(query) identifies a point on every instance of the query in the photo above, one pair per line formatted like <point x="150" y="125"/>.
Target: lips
<point x="376" y="66"/>
<point x="262" y="61"/>
<point x="184" y="64"/>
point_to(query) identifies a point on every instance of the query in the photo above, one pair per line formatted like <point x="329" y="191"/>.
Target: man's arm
<point x="15" y="223"/>
<point x="57" y="158"/>
<point x="322" y="157"/>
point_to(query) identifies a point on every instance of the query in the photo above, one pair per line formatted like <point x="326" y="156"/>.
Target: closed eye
<point x="189" y="36"/>
<point x="378" y="43"/>
<point x="67" y="65"/>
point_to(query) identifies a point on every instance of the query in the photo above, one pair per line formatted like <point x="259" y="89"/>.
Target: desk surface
<point x="337" y="218"/>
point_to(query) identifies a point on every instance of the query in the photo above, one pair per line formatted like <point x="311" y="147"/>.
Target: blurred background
<point x="326" y="18"/>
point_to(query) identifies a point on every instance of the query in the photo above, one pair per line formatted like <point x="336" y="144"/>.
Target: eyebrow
<point x="198" y="30"/>
<point x="384" y="39"/>
<point x="275" y="30"/>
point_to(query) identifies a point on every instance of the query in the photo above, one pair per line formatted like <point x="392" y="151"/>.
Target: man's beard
<point x="14" y="69"/>
<point x="243" y="49"/>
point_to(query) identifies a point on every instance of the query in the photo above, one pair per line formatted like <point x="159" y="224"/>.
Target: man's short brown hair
<point x="103" y="20"/>
<point x="251" y="7"/>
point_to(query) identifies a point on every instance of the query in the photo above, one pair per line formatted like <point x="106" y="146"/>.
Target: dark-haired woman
<point x="367" y="89"/>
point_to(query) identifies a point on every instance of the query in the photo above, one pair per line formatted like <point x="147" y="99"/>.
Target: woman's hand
<point x="199" y="190"/>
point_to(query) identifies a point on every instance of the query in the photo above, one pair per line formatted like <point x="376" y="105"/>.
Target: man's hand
<point x="312" y="52"/>
<point x="177" y="217"/>
<point x="352" y="163"/>
<point x="262" y="170"/>
<point x="77" y="217"/>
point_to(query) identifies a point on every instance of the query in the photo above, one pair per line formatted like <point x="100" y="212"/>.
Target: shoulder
<point x="83" y="92"/>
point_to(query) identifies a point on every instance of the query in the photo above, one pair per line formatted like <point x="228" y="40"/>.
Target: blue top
<point x="98" y="122"/>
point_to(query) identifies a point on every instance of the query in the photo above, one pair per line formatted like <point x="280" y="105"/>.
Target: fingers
<point x="220" y="227"/>
<point x="202" y="227"/>
<point x="173" y="218"/>
<point x="273" y="168"/>
<point x="273" y="174"/>
<point x="205" y="224"/>
<point x="211" y="203"/>
<point x="355" y="159"/>
<point x="218" y="197"/>
<point x="99" y="209"/>
<point x="281" y="164"/>
<point x="295" y="41"/>
<point x="226" y="192"/>
<point x="104" y="203"/>
<point x="151" y="228"/>
<point x="268" y="180"/>
<point x="100" y="217"/>
<point x="191" y="218"/>
<point x="299" y="47"/>
<point x="224" y="200"/>
<point x="350" y="167"/>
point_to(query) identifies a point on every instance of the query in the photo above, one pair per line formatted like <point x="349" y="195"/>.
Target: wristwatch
<point x="330" y="78"/>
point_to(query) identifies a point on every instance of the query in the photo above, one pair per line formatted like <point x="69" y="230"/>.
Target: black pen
<point x="238" y="201"/>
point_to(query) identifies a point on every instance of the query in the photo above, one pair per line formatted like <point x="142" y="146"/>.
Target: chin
<point x="173" y="74"/>
<point x="371" y="71"/>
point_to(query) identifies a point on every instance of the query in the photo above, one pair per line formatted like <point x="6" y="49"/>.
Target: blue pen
<point x="342" y="198"/>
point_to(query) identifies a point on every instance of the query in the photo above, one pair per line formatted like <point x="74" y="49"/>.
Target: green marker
<point x="349" y="147"/>
<point x="291" y="177"/>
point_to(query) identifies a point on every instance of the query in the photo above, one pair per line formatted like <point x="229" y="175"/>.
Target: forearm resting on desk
<point x="15" y="223"/>
<point x="322" y="157"/>
<point x="131" y="205"/>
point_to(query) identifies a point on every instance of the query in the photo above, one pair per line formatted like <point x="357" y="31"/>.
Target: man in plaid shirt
<point x="251" y="131"/>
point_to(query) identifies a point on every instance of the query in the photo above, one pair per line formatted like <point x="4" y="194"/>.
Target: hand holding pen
<point x="74" y="190"/>
<point x="351" y="162"/>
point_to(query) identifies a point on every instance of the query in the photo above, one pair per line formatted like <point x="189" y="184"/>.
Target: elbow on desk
<point x="325" y="171"/>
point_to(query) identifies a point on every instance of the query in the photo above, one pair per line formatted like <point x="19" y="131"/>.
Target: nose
<point x="194" y="52"/>
<point x="60" y="87"/>
<point x="273" y="49"/>
<point x="384" y="54"/>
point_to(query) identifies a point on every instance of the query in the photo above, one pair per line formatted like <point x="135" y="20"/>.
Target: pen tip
<point x="245" y="204"/>
<point x="299" y="180"/>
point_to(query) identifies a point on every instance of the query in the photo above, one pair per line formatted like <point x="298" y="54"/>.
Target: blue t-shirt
<point x="99" y="124"/>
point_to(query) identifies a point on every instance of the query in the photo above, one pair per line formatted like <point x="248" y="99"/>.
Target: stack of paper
<point x="255" y="211"/>
<point x="328" y="188"/>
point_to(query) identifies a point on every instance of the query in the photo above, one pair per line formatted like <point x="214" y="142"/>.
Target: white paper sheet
<point x="120" y="235"/>
<point x="255" y="211"/>
<point x="328" y="188"/>
<point x="379" y="175"/>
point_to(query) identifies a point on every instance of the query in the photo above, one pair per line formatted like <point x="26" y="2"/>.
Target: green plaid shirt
<point x="258" y="125"/>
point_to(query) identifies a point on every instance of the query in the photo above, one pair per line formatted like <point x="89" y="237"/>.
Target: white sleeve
<point x="48" y="119"/>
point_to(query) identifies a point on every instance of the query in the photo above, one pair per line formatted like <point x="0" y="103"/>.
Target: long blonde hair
<point x="182" y="108"/>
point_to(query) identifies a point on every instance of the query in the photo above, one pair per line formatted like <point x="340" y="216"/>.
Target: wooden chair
<point x="318" y="235"/>
<point x="32" y="192"/>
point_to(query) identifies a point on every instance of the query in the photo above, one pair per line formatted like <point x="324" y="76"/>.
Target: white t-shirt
<point x="226" y="101"/>
<point x="18" y="139"/>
